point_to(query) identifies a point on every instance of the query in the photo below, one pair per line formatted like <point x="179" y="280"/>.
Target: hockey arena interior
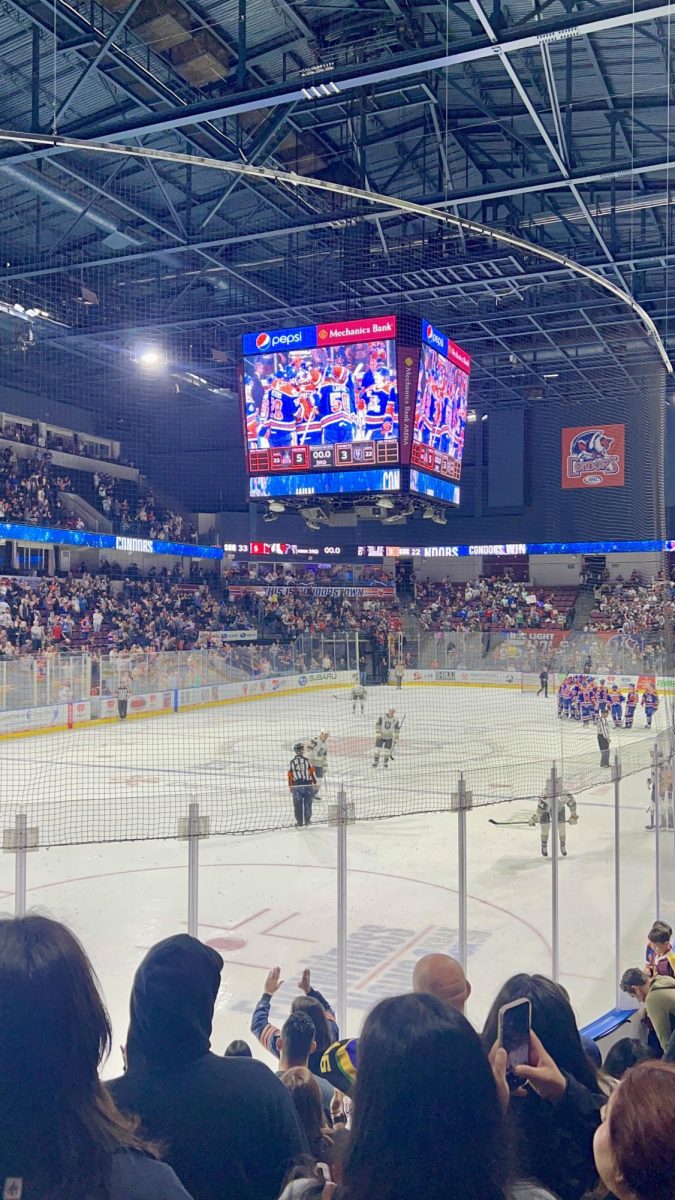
<point x="337" y="600"/>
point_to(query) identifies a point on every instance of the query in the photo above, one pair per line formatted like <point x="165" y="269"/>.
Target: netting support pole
<point x="656" y="790"/>
<point x="342" y="907"/>
<point x="193" y="870"/>
<point x="464" y="800"/>
<point x="555" y="889"/>
<point x="20" y="855"/>
<point x="616" y="777"/>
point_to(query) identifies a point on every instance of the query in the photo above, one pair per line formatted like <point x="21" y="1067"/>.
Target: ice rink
<point x="269" y="897"/>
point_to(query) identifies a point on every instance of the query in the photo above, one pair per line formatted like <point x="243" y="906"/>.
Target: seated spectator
<point x="634" y="1145"/>
<point x="311" y="1002"/>
<point x="657" y="993"/>
<point x="623" y="1055"/>
<point x="435" y="975"/>
<point x="60" y="1133"/>
<point x="660" y="955"/>
<point x="229" y="1125"/>
<point x="297" y="1044"/>
<point x="428" y="1122"/>
<point x="304" y="1091"/>
<point x="238" y="1049"/>
<point x="553" y="1143"/>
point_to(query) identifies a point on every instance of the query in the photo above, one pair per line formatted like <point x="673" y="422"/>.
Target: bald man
<point x="436" y="975"/>
<point x="442" y="976"/>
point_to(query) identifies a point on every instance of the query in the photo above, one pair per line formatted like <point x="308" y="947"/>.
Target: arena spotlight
<point x="277" y="506"/>
<point x="151" y="358"/>
<point x="429" y="513"/>
<point x="471" y="416"/>
<point x="385" y="502"/>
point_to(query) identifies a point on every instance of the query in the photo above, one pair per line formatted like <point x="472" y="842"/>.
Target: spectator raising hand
<point x="311" y="1002"/>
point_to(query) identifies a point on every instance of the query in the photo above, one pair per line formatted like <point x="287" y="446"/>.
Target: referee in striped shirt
<point x="301" y="781"/>
<point x="122" y="695"/>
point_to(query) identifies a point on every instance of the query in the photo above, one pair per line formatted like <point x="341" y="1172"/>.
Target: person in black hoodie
<point x="227" y="1125"/>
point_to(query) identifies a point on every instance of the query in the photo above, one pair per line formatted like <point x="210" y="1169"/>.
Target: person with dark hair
<point x="60" y="1132"/>
<point x="311" y="1002"/>
<point x="229" y="1126"/>
<point x="238" y="1049"/>
<point x="297" y="1043"/>
<point x="634" y="1145"/>
<point x="623" y="1055"/>
<point x="657" y="993"/>
<point x="428" y="1122"/>
<point x="660" y="955"/>
<point x="553" y="1142"/>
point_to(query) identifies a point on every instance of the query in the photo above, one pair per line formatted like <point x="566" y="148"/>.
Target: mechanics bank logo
<point x="593" y="456"/>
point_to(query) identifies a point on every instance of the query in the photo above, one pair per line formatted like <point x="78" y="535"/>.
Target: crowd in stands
<point x="31" y="491"/>
<point x="631" y="607"/>
<point x="141" y="516"/>
<point x="162" y="612"/>
<point x="420" y="1104"/>
<point x="64" y="442"/>
<point x="266" y="574"/>
<point x="491" y="604"/>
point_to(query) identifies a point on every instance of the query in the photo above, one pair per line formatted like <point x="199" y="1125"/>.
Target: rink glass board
<point x="441" y="405"/>
<point x="320" y="404"/>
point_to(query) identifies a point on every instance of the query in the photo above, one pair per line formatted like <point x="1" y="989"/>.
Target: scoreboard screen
<point x="321" y="401"/>
<point x="441" y="404"/>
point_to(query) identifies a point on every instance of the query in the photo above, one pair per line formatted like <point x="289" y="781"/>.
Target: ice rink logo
<point x="263" y="341"/>
<point x="593" y="456"/>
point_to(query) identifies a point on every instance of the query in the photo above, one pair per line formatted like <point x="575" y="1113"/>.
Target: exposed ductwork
<point x="117" y="239"/>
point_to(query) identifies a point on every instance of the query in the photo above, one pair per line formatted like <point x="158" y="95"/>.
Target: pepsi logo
<point x="430" y="330"/>
<point x="263" y="341"/>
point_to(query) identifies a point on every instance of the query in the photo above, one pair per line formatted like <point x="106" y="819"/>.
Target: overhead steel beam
<point x="91" y="66"/>
<point x="408" y="66"/>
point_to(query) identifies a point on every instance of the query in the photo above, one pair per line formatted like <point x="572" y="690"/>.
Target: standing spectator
<point x="428" y="1122"/>
<point x="657" y="993"/>
<point x="442" y="976"/>
<point x="553" y="1141"/>
<point x="296" y="1044"/>
<point x="229" y="1124"/>
<point x="305" y="1093"/>
<point x="311" y="1002"/>
<point x="60" y="1133"/>
<point x="660" y="955"/>
<point x="634" y="1145"/>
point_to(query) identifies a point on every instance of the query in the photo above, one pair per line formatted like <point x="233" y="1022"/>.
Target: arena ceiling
<point x="551" y="119"/>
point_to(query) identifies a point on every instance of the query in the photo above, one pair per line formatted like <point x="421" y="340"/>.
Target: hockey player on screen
<point x="542" y="817"/>
<point x="380" y="402"/>
<point x="358" y="697"/>
<point x="616" y="700"/>
<point x="387" y="730"/>
<point x="337" y="410"/>
<point x="650" y="703"/>
<point x="281" y="411"/>
<point x="631" y="705"/>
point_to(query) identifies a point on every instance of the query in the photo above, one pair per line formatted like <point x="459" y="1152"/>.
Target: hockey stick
<point x="493" y="822"/>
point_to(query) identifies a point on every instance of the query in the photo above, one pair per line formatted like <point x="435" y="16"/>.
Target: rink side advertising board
<point x="593" y="456"/>
<point x="320" y="408"/>
<point x="439" y="422"/>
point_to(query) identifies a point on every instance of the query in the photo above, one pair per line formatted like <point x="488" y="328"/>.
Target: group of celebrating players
<point x="440" y="418"/>
<point x="583" y="698"/>
<point x="321" y="397"/>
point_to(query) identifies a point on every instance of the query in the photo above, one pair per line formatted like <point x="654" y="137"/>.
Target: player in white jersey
<point x="542" y="817"/>
<point x="387" y="730"/>
<point x="358" y="697"/>
<point x="317" y="753"/>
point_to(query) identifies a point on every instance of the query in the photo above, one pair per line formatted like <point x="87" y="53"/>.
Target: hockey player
<point x="543" y="682"/>
<point x="301" y="782"/>
<point x="386" y="736"/>
<point x="336" y="407"/>
<point x="616" y="700"/>
<point x="650" y="703"/>
<point x="317" y="753"/>
<point x="631" y="705"/>
<point x="603" y="699"/>
<point x="542" y="817"/>
<point x="358" y="697"/>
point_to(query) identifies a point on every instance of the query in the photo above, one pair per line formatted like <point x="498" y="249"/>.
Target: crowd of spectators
<point x="420" y="1104"/>
<point x="632" y="606"/>
<point x="140" y="516"/>
<point x="31" y="491"/>
<point x="64" y="442"/>
<point x="491" y="604"/>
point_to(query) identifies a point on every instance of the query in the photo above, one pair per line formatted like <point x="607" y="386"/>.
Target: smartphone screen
<point x="514" y="1036"/>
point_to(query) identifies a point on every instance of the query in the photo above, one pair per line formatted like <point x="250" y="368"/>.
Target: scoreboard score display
<point x="320" y="408"/>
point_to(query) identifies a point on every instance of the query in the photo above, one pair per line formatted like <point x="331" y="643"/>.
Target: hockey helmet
<point x="324" y="734"/>
<point x="391" y="712"/>
<point x="299" y="747"/>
